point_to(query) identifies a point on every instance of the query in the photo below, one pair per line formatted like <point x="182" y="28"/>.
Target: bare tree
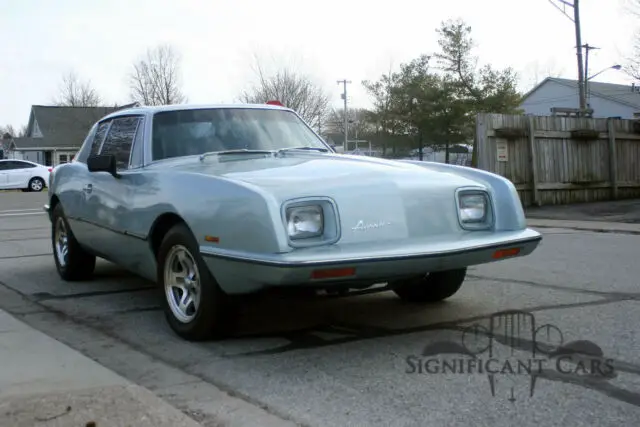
<point x="295" y="90"/>
<point x="9" y="129"/>
<point x="536" y="72"/>
<point x="631" y="61"/>
<point x="76" y="93"/>
<point x="361" y="121"/>
<point x="155" y="79"/>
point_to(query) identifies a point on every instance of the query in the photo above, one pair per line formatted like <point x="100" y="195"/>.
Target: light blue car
<point x="215" y="202"/>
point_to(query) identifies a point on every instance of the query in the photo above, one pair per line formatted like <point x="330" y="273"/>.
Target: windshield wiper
<point x="238" y="151"/>
<point x="282" y="150"/>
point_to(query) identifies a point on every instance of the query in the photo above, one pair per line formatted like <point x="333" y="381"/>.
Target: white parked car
<point x="23" y="175"/>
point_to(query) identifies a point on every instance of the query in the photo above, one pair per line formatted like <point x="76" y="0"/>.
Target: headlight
<point x="473" y="208"/>
<point x="305" y="221"/>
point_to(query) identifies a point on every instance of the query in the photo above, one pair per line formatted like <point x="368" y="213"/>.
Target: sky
<point x="330" y="40"/>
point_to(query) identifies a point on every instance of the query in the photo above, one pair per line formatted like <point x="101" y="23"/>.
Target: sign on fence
<point x="502" y="149"/>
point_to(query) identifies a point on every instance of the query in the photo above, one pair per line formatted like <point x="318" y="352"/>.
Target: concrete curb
<point x="45" y="382"/>
<point x="593" y="226"/>
<point x="195" y="398"/>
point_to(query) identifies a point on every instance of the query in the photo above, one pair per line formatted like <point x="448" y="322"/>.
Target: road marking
<point x="22" y="214"/>
<point x="20" y="210"/>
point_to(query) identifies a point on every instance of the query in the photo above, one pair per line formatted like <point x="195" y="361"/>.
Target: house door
<point x="47" y="158"/>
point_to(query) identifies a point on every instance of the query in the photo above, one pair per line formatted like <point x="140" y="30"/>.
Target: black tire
<point x="433" y="287"/>
<point x="78" y="264"/>
<point x="36" y="184"/>
<point x="214" y="316"/>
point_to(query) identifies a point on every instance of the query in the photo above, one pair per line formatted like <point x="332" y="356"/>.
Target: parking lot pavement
<point x="354" y="361"/>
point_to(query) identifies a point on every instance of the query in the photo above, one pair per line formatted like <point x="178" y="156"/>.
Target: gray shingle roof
<point x="64" y="126"/>
<point x="25" y="143"/>
<point x="623" y="94"/>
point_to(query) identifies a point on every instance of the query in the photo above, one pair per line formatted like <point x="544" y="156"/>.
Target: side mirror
<point x="102" y="163"/>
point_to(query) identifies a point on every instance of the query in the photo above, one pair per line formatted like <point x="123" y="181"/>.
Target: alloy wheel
<point x="61" y="242"/>
<point x="182" y="284"/>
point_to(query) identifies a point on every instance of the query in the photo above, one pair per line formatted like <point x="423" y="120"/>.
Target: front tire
<point x="195" y="306"/>
<point x="72" y="261"/>
<point x="36" y="184"/>
<point x="433" y="287"/>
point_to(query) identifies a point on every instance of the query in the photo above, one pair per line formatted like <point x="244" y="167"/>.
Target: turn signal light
<point x="504" y="253"/>
<point x="333" y="273"/>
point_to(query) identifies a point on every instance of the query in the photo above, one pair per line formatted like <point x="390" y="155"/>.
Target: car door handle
<point x="87" y="188"/>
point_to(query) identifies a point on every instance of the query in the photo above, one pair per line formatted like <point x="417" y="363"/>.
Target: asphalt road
<point x="344" y="361"/>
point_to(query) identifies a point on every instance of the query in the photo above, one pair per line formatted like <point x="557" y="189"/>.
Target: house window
<point x="62" y="159"/>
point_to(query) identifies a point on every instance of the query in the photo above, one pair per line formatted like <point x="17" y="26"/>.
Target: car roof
<point x="149" y="109"/>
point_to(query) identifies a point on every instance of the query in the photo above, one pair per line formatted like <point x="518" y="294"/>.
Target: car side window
<point x="98" y="138"/>
<point x="137" y="153"/>
<point x="23" y="165"/>
<point x="15" y="164"/>
<point x="7" y="166"/>
<point x="119" y="140"/>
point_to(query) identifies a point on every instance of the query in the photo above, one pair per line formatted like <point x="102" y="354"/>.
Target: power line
<point x="346" y="122"/>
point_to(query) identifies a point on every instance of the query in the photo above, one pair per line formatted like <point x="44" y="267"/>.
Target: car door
<point x="4" y="165"/>
<point x="72" y="192"/>
<point x="107" y="198"/>
<point x="18" y="174"/>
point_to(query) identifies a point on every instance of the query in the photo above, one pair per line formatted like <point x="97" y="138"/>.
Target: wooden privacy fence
<point x="560" y="160"/>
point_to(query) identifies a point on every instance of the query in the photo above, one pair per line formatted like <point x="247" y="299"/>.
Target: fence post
<point x="532" y="161"/>
<point x="613" y="159"/>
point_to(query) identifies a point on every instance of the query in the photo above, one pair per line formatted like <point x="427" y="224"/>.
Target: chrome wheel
<point x="36" y="185"/>
<point x="182" y="284"/>
<point x="61" y="242"/>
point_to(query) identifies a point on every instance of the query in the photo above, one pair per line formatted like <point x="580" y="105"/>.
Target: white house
<point x="55" y="133"/>
<point x="605" y="99"/>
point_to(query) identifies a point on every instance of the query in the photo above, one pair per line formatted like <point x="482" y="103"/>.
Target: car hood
<point x="408" y="199"/>
<point x="308" y="174"/>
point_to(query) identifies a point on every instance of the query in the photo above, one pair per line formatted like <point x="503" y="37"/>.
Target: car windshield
<point x="198" y="131"/>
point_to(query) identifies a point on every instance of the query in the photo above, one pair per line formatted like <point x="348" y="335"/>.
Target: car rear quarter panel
<point x="65" y="183"/>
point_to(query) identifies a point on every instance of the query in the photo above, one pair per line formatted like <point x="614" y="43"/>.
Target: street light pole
<point x="414" y="102"/>
<point x="346" y="124"/>
<point x="586" y="72"/>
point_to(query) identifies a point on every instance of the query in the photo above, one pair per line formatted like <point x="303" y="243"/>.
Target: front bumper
<point x="239" y="272"/>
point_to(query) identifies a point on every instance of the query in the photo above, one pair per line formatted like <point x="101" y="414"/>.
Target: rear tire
<point x="72" y="261"/>
<point x="433" y="287"/>
<point x="195" y="306"/>
<point x="36" y="184"/>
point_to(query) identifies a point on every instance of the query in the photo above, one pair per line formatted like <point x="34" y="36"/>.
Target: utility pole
<point x="346" y="119"/>
<point x="581" y="76"/>
<point x="576" y="20"/>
